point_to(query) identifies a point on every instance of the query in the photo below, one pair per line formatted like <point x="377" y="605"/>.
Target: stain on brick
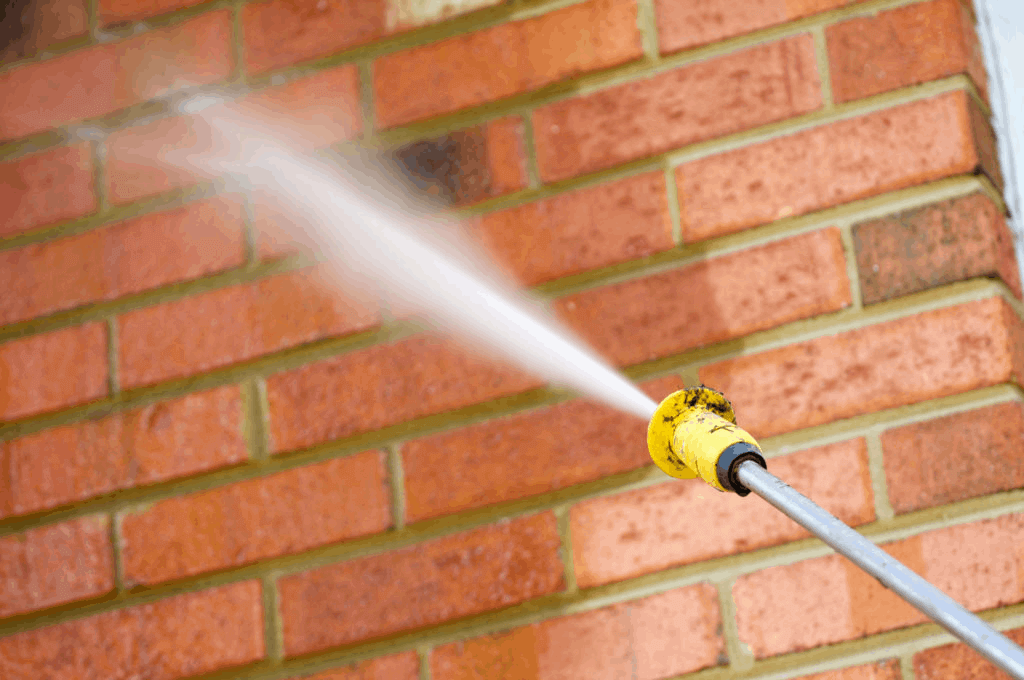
<point x="960" y="661"/>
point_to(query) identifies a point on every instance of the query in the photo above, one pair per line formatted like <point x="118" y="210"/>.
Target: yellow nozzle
<point x="694" y="434"/>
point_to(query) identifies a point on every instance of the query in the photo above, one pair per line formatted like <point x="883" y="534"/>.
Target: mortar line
<point x="423" y="654"/>
<point x="240" y="72"/>
<point x="674" y="209"/>
<point x="250" y="233"/>
<point x="564" y="527"/>
<point x="533" y="179"/>
<point x="254" y="419"/>
<point x="367" y="100"/>
<point x="116" y="552"/>
<point x="396" y="484"/>
<point x="907" y="671"/>
<point x="852" y="270"/>
<point x="739" y="657"/>
<point x="646" y="19"/>
<point x="99" y="175"/>
<point x="273" y="637"/>
<point x="824" y="68"/>
<point x="92" y="18"/>
<point x="113" y="364"/>
<point x="879" y="483"/>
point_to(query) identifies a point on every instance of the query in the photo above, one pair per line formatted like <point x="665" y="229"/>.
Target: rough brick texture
<point x="44" y="188"/>
<point x="548" y="449"/>
<point x="505" y="60"/>
<point x="626" y="535"/>
<point x="195" y="433"/>
<point x="230" y="325"/>
<point x="380" y="386"/>
<point x="123" y="11"/>
<point x="638" y="640"/>
<point x="825" y="600"/>
<point x="882" y="670"/>
<point x="960" y="661"/>
<point x="174" y="638"/>
<point x="50" y="22"/>
<point x="130" y="257"/>
<point x="837" y="163"/>
<point x="53" y="370"/>
<point x="930" y="355"/>
<point x="55" y="564"/>
<point x="927" y="247"/>
<point x="686" y="105"/>
<point x="447" y="578"/>
<point x="751" y="290"/>
<point x="968" y="454"/>
<point x="257" y="519"/>
<point x="404" y="666"/>
<point x="904" y="46"/>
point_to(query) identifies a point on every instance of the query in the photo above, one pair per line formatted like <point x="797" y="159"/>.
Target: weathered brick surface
<point x="507" y="59"/>
<point x="174" y="638"/>
<point x="580" y="230"/>
<point x="827" y="599"/>
<point x="54" y="565"/>
<point x="638" y="532"/>
<point x="166" y="440"/>
<point x="469" y="573"/>
<point x="958" y="239"/>
<point x="686" y="105"/>
<point x="49" y="22"/>
<point x="549" y="449"/>
<point x="638" y="639"/>
<point x="231" y="325"/>
<point x="930" y="355"/>
<point x="122" y="11"/>
<point x="284" y="513"/>
<point x="881" y="670"/>
<point x="825" y="166"/>
<point x="714" y="300"/>
<point x="44" y="188"/>
<point x="380" y="386"/>
<point x="53" y="370"/>
<point x="960" y="661"/>
<point x="404" y="666"/>
<point x="960" y="456"/>
<point x="904" y="46"/>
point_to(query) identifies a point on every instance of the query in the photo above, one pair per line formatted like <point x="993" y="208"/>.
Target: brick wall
<point x="210" y="468"/>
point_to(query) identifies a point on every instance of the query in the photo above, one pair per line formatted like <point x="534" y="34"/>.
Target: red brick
<point x="639" y="532"/>
<point x="45" y="188"/>
<point x="404" y="666"/>
<point x="580" y="230"/>
<point x="136" y="162"/>
<point x="880" y="670"/>
<point x="683" y="24"/>
<point x="638" y="639"/>
<point x="823" y="167"/>
<point x="55" y="564"/>
<point x="751" y="290"/>
<point x="282" y="32"/>
<point x="257" y="519"/>
<point x="972" y="454"/>
<point x="45" y="22"/>
<point x="469" y="573"/>
<point x="686" y="105"/>
<point x="174" y="638"/>
<point x="827" y="600"/>
<point x="927" y="247"/>
<point x="167" y="440"/>
<point x="104" y="78"/>
<point x="122" y="11"/>
<point x="231" y="325"/>
<point x="379" y="386"/>
<point x="504" y="60"/>
<point x="549" y="449"/>
<point x="930" y="355"/>
<point x="904" y="46"/>
<point x="129" y="257"/>
<point x="53" y="370"/>
<point x="960" y="661"/>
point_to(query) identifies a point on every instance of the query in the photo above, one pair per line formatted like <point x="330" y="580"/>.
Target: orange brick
<point x="752" y="290"/>
<point x="380" y="386"/>
<point x="53" y="370"/>
<point x="686" y="105"/>
<point x="504" y="60"/>
<point x="48" y="22"/>
<point x="639" y="532"/>
<point x="930" y="355"/>
<point x="45" y="188"/>
<point x="580" y="230"/>
<point x="123" y="11"/>
<point x="242" y="523"/>
<point x="55" y="564"/>
<point x="904" y="46"/>
<point x="927" y="247"/>
<point x="469" y="573"/>
<point x="957" y="457"/>
<point x="637" y="639"/>
<point x="827" y="600"/>
<point x="230" y="325"/>
<point x="960" y="661"/>
<point x="126" y="258"/>
<point x="174" y="638"/>
<point x="549" y="449"/>
<point x="881" y="670"/>
<point x="833" y="164"/>
<point x="404" y="666"/>
<point x="195" y="433"/>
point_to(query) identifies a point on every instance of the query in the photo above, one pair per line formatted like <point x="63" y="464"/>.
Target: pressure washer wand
<point x="694" y="434"/>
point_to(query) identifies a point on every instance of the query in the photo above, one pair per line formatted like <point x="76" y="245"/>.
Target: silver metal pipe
<point x="934" y="603"/>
